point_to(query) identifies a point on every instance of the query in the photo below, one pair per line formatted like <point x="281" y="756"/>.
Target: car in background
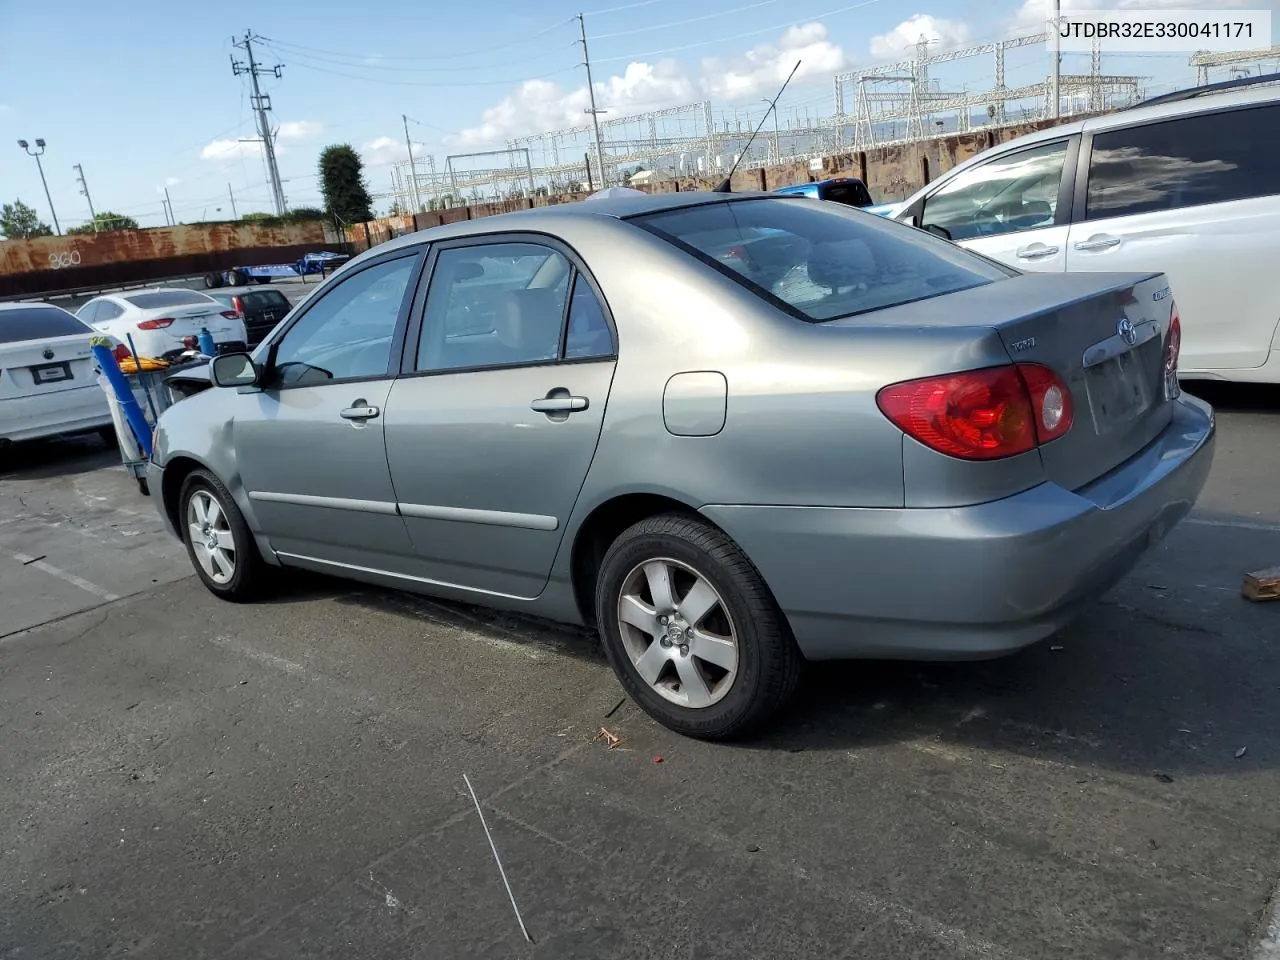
<point x="1186" y="183"/>
<point x="877" y="445"/>
<point x="261" y="309"/>
<point x="48" y="376"/>
<point x="163" y="322"/>
<point x="850" y="191"/>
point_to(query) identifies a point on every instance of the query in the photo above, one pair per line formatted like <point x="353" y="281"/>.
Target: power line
<point x="559" y="25"/>
<point x="362" y="63"/>
<point x="688" y="20"/>
<point x="261" y="104"/>
<point x="740" y="36"/>
<point x="625" y="6"/>
<point x="435" y="84"/>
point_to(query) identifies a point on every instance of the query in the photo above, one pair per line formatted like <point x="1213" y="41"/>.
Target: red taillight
<point x="1173" y="344"/>
<point x="155" y="324"/>
<point x="237" y="305"/>
<point x="981" y="414"/>
<point x="231" y="314"/>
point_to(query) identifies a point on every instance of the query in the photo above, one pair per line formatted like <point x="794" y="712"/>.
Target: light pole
<point x="40" y="166"/>
<point x="777" y="150"/>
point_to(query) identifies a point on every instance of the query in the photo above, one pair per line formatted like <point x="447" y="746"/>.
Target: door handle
<point x="1098" y="243"/>
<point x="359" y="411"/>
<point x="1036" y="253"/>
<point x="559" y="404"/>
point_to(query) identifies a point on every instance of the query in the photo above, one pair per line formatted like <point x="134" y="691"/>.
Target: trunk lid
<point x="1103" y="334"/>
<point x="1108" y="345"/>
<point x="34" y="367"/>
<point x="188" y="321"/>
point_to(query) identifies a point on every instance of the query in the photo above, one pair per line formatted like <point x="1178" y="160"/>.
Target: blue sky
<point x="144" y="97"/>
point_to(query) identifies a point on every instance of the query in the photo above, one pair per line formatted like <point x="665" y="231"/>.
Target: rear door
<point x="1197" y="197"/>
<point x="494" y="422"/>
<point x="1013" y="208"/>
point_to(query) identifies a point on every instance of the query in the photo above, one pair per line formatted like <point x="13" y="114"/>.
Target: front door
<point x="1008" y="208"/>
<point x="491" y="431"/>
<point x="310" y="444"/>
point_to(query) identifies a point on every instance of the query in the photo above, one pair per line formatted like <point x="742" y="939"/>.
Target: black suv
<point x="261" y="309"/>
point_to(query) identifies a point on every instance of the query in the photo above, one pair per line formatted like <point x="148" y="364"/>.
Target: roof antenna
<point x="723" y="186"/>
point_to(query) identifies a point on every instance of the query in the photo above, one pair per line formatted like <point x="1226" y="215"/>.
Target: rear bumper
<point x="971" y="582"/>
<point x="75" y="410"/>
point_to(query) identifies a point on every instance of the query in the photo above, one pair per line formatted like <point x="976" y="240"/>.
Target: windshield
<point x="38" y="323"/>
<point x="823" y="261"/>
<point x="169" y="298"/>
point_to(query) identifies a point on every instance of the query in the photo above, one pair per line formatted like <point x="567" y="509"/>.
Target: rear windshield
<point x="38" y="322"/>
<point x="263" y="300"/>
<point x="823" y="261"/>
<point x="852" y="194"/>
<point x="167" y="298"/>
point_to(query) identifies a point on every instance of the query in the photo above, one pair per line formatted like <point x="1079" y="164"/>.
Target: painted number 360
<point x="66" y="258"/>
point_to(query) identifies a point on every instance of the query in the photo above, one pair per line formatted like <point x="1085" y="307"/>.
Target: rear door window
<point x="1193" y="160"/>
<point x="820" y="261"/>
<point x="264" y="300"/>
<point x="38" y="322"/>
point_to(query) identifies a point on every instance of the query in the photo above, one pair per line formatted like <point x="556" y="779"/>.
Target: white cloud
<point x="299" y="130"/>
<point x="762" y="69"/>
<point x="900" y="42"/>
<point x="538" y="105"/>
<point x="381" y="151"/>
<point x="171" y="181"/>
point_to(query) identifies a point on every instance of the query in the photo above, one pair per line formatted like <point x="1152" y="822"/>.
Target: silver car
<point x="732" y="432"/>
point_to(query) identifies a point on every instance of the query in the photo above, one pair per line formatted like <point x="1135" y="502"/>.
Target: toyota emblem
<point x="1127" y="333"/>
<point x="48" y="354"/>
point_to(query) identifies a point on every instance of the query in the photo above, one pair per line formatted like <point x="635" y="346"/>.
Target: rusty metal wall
<point x="49" y="264"/>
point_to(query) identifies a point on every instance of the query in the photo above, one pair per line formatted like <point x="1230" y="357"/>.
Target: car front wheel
<point x="218" y="540"/>
<point x="692" y="631"/>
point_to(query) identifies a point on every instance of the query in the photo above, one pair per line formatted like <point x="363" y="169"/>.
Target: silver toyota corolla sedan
<point x="732" y="432"/>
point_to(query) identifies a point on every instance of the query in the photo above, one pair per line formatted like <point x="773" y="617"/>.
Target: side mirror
<point x="938" y="231"/>
<point x="233" y="370"/>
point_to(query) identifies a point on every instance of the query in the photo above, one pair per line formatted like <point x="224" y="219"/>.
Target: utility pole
<point x="261" y="105"/>
<point x="413" y="167"/>
<point x="595" y="121"/>
<point x="232" y="197"/>
<point x="84" y="189"/>
<point x="1054" y="88"/>
<point x="168" y="208"/>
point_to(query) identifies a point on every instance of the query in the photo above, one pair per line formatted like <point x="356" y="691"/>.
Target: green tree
<point x="257" y="216"/>
<point x="303" y="214"/>
<point x="107" y="220"/>
<point x="346" y="197"/>
<point x="20" y="222"/>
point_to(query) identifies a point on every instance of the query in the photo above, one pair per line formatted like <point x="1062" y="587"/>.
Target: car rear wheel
<point x="218" y="540"/>
<point x="692" y="631"/>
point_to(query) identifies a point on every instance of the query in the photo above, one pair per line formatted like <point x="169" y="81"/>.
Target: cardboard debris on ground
<point x="1262" y="585"/>
<point x="612" y="739"/>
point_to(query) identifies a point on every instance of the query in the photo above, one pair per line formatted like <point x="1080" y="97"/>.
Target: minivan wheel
<point x="692" y="631"/>
<point x="218" y="540"/>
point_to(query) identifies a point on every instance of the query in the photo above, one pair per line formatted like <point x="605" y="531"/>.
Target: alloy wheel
<point x="211" y="538"/>
<point x="678" y="633"/>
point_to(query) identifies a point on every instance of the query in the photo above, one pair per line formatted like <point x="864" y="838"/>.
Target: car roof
<point x="20" y="304"/>
<point x="548" y="219"/>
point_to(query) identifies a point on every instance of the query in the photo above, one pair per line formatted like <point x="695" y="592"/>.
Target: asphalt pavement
<point x="181" y="777"/>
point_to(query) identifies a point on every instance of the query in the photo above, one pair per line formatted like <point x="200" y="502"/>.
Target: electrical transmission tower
<point x="261" y="105"/>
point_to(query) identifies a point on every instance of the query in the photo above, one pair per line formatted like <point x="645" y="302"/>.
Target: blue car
<point x="846" y="190"/>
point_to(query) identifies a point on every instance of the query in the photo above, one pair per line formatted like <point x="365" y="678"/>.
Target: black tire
<point x="239" y="278"/>
<point x="768" y="660"/>
<point x="212" y="281"/>
<point x="249" y="574"/>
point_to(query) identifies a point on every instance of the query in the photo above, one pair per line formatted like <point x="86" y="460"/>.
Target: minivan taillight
<point x="231" y="314"/>
<point x="985" y="414"/>
<point x="159" y="324"/>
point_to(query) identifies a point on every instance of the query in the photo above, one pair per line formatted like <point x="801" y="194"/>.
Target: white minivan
<point x="1187" y="184"/>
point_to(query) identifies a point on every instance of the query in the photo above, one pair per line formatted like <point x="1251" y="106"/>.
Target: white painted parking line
<point x="1269" y="947"/>
<point x="71" y="578"/>
<point x="1234" y="524"/>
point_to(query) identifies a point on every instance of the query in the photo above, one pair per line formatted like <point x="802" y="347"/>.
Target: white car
<point x="48" y="377"/>
<point x="163" y="321"/>
<point x="1187" y="184"/>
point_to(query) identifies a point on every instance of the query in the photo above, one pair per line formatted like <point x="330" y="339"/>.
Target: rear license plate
<point x="51" y="373"/>
<point x="1119" y="391"/>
